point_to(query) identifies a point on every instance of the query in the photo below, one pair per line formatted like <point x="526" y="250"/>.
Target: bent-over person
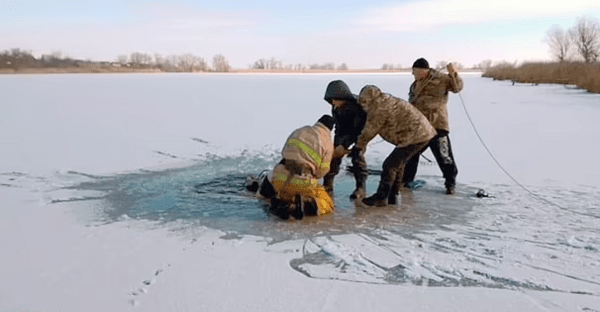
<point x="399" y="123"/>
<point x="292" y="185"/>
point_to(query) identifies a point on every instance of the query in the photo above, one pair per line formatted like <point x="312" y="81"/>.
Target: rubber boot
<point x="251" y="184"/>
<point x="279" y="208"/>
<point x="395" y="190"/>
<point x="450" y="189"/>
<point x="297" y="209"/>
<point x="328" y="184"/>
<point x="333" y="171"/>
<point x="361" y="185"/>
<point x="393" y="196"/>
<point x="381" y="197"/>
<point x="361" y="173"/>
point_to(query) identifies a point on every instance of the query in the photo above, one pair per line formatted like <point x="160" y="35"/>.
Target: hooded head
<point x="338" y="90"/>
<point x="327" y="121"/>
<point x="368" y="97"/>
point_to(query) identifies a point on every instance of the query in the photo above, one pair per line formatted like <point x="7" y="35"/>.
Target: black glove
<point x="355" y="152"/>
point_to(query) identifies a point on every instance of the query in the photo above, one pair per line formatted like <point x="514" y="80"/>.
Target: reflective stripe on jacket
<point x="288" y="186"/>
<point x="311" y="147"/>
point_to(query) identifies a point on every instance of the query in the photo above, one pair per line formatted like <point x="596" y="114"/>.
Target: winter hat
<point x="327" y="121"/>
<point x="421" y="63"/>
<point x="338" y="90"/>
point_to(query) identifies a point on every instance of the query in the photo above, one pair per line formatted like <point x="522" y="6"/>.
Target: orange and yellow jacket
<point x="311" y="148"/>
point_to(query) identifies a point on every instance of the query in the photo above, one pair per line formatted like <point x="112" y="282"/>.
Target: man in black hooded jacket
<point x="349" y="119"/>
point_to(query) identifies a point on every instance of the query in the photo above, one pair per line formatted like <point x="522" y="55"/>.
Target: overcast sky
<point x="362" y="34"/>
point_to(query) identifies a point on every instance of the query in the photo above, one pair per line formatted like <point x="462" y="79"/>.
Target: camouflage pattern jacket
<point x="394" y="119"/>
<point x="430" y="96"/>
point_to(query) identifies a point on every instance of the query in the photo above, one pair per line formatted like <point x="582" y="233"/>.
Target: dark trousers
<point x="442" y="150"/>
<point x="394" y="165"/>
<point x="359" y="170"/>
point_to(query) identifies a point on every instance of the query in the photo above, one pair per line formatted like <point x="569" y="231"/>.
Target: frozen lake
<point x="173" y="150"/>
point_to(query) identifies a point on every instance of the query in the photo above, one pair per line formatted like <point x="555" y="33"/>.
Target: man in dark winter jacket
<point x="349" y="122"/>
<point x="429" y="94"/>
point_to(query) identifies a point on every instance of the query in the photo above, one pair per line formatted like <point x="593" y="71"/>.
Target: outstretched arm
<point x="455" y="83"/>
<point x="371" y="129"/>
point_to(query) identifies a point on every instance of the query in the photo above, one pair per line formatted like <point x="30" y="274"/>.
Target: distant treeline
<point x="584" y="75"/>
<point x="18" y="60"/>
<point x="22" y="61"/>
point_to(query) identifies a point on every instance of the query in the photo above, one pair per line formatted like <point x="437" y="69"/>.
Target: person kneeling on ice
<point x="292" y="185"/>
<point x="400" y="123"/>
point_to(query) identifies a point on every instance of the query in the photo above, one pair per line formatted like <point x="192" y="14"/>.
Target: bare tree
<point x="273" y="63"/>
<point x="458" y="66"/>
<point x="220" y="63"/>
<point x="485" y="65"/>
<point x="586" y="37"/>
<point x="122" y="59"/>
<point x="140" y="59"/>
<point x="158" y="60"/>
<point x="391" y="66"/>
<point x="52" y="60"/>
<point x="260" y="64"/>
<point x="16" y="52"/>
<point x="171" y="64"/>
<point x="441" y="65"/>
<point x="559" y="42"/>
<point x="191" y="63"/>
<point x="343" y="67"/>
<point x="267" y="64"/>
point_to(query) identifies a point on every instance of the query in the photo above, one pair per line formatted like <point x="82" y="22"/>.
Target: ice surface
<point x="136" y="181"/>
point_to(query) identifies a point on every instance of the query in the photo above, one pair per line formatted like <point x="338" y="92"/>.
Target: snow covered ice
<point x="124" y="192"/>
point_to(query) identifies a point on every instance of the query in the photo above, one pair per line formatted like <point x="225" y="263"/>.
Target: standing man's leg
<point x="442" y="150"/>
<point x="410" y="170"/>
<point x="334" y="169"/>
<point x="417" y="149"/>
<point x="392" y="167"/>
<point x="361" y="173"/>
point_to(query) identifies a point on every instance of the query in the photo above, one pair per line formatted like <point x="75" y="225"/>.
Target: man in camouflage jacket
<point x="398" y="122"/>
<point x="429" y="94"/>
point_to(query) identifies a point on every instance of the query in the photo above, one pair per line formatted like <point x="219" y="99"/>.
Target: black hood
<point x="339" y="90"/>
